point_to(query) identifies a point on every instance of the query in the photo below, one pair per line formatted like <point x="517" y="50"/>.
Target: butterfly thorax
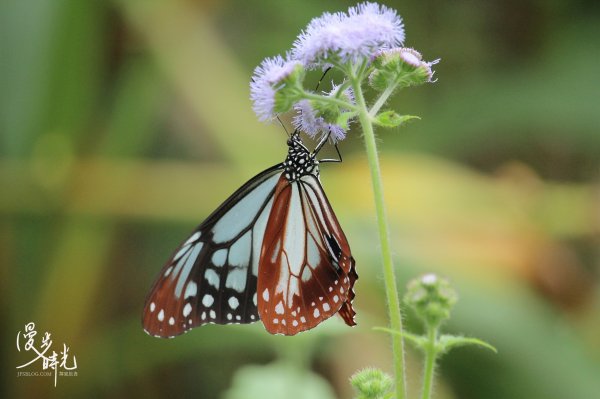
<point x="299" y="161"/>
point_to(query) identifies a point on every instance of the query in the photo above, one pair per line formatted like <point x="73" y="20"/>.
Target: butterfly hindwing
<point x="306" y="270"/>
<point x="212" y="276"/>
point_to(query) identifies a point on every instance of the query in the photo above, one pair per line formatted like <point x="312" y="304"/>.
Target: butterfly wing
<point x="306" y="272"/>
<point x="212" y="276"/>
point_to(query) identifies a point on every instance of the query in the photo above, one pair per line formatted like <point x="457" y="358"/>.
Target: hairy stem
<point x="382" y="99"/>
<point x="334" y="100"/>
<point x="430" y="356"/>
<point x="388" y="267"/>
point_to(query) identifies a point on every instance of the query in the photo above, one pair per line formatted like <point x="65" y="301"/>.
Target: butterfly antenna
<point x="322" y="142"/>
<point x="338" y="152"/>
<point x="322" y="77"/>
<point x="282" y="125"/>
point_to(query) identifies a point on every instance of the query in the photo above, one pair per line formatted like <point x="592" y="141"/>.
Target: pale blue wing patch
<point x="209" y="278"/>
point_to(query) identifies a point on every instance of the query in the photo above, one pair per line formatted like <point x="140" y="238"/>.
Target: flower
<point x="432" y="298"/>
<point x="402" y="66"/>
<point x="308" y="121"/>
<point x="268" y="78"/>
<point x="342" y="37"/>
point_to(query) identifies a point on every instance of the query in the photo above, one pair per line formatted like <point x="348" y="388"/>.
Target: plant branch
<point x="388" y="267"/>
<point x="430" y="357"/>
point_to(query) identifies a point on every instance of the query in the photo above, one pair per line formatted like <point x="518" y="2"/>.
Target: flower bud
<point x="400" y="66"/>
<point x="431" y="298"/>
<point x="371" y="383"/>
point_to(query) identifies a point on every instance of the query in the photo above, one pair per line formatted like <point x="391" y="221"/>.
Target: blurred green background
<point x="124" y="123"/>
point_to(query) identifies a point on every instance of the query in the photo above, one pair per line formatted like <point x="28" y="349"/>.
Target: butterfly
<point x="273" y="251"/>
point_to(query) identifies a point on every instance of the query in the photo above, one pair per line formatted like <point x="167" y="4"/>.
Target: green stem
<point x="382" y="99"/>
<point x="388" y="267"/>
<point x="333" y="100"/>
<point x="430" y="356"/>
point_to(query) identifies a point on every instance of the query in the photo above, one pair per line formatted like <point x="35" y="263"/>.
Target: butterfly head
<point x="299" y="161"/>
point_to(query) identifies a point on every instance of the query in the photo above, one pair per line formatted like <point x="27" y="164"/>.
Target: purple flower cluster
<point x="267" y="77"/>
<point x="306" y="119"/>
<point x="342" y="37"/>
<point x="338" y="39"/>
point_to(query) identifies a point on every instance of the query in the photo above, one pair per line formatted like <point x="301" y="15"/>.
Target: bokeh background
<point x="124" y="123"/>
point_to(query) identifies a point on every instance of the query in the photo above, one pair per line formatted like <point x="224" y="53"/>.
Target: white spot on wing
<point x="193" y="238"/>
<point x="306" y="274"/>
<point x="233" y="302"/>
<point x="236" y="279"/>
<point x="219" y="257"/>
<point x="279" y="308"/>
<point x="326" y="307"/>
<point x="190" y="290"/>
<point x="316" y="313"/>
<point x="152" y="307"/>
<point x="208" y="300"/>
<point x="171" y="321"/>
<point x="254" y="299"/>
<point x="265" y="294"/>
<point x="161" y="315"/>
<point x="336" y="298"/>
<point x="212" y="314"/>
<point x="181" y="252"/>
<point x="212" y="278"/>
<point x="187" y="309"/>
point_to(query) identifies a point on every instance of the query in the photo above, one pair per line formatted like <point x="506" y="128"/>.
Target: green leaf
<point x="392" y="119"/>
<point x="416" y="340"/>
<point x="448" y="342"/>
<point x="344" y="118"/>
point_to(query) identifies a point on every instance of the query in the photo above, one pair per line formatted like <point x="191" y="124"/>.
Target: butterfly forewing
<point x="212" y="276"/>
<point x="306" y="270"/>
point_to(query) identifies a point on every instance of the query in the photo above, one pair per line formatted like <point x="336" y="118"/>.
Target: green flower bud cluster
<point x="431" y="298"/>
<point x="372" y="383"/>
<point x="399" y="67"/>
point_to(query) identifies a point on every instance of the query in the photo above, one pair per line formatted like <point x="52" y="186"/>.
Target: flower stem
<point x="382" y="99"/>
<point x="332" y="100"/>
<point x="388" y="267"/>
<point x="430" y="356"/>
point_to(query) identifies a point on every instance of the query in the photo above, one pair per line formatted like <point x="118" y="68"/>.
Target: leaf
<point x="418" y="341"/>
<point x="344" y="118"/>
<point x="392" y="119"/>
<point x="448" y="342"/>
